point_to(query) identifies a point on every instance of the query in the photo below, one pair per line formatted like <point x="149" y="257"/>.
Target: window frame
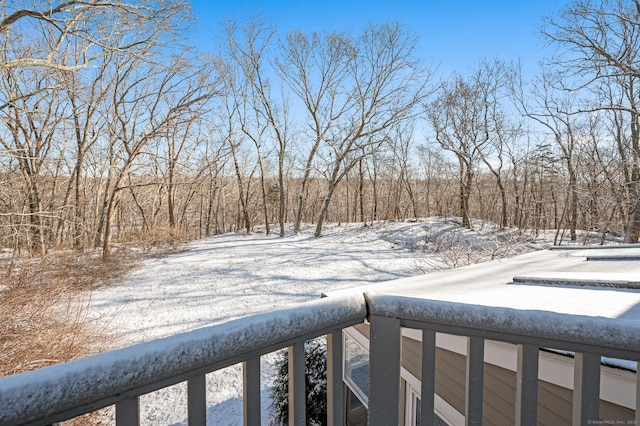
<point x="363" y="343"/>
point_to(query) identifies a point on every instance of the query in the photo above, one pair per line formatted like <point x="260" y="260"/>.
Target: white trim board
<point x="616" y="385"/>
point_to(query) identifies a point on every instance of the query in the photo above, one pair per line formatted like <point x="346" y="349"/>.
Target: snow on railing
<point x="588" y="338"/>
<point x="119" y="377"/>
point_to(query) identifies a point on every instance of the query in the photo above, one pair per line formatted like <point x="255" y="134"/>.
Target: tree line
<point x="113" y="128"/>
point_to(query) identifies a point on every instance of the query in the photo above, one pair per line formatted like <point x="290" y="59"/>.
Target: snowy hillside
<point x="233" y="275"/>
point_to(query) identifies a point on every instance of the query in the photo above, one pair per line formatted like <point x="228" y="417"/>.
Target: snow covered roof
<point x="592" y="281"/>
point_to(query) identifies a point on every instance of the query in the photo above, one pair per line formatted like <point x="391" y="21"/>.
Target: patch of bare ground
<point x="44" y="306"/>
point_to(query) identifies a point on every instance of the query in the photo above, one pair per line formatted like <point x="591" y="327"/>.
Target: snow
<point x="175" y="357"/>
<point x="231" y="276"/>
<point x="585" y="330"/>
<point x="582" y="305"/>
<point x="492" y="284"/>
<point x="234" y="275"/>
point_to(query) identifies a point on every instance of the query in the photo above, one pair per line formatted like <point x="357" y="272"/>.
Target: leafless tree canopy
<point x="113" y="129"/>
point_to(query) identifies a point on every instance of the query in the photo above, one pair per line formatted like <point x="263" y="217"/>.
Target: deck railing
<point x="67" y="390"/>
<point x="588" y="338"/>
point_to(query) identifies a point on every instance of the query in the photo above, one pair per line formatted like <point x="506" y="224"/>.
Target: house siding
<point x="554" y="402"/>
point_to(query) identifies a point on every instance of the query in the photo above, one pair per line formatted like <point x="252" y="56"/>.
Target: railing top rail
<point x="103" y="379"/>
<point x="619" y="335"/>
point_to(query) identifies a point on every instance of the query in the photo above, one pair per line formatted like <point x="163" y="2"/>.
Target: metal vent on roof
<point x="625" y="257"/>
<point x="610" y="280"/>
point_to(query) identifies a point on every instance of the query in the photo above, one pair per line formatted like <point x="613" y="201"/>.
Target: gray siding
<point x="499" y="396"/>
<point x="412" y="356"/>
<point x="364" y="329"/>
<point x="554" y="402"/>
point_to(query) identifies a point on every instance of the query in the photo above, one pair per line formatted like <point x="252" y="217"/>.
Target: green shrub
<point x="315" y="380"/>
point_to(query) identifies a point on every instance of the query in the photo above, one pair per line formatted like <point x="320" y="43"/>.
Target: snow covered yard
<point x="234" y="275"/>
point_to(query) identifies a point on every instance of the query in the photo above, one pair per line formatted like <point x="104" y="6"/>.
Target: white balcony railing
<point x="67" y="390"/>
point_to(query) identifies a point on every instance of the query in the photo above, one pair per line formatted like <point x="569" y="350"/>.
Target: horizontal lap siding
<point x="613" y="412"/>
<point x="499" y="390"/>
<point x="364" y="329"/>
<point x="555" y="406"/>
<point x="499" y="396"/>
<point x="450" y="378"/>
<point x="450" y="371"/>
<point x="412" y="356"/>
<point x="554" y="402"/>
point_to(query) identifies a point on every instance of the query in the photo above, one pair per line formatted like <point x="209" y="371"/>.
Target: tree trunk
<point x="243" y="202"/>
<point x="171" y="195"/>
<point x="263" y="189"/>
<point x="632" y="234"/>
<point x="323" y="211"/>
<point x="466" y="183"/>
<point x="573" y="207"/>
<point x="38" y="244"/>
<point x="109" y="216"/>
<point x="333" y="182"/>
<point x="517" y="215"/>
<point x="504" y="222"/>
<point x="361" y="191"/>
<point x="303" y="185"/>
<point x="282" y="203"/>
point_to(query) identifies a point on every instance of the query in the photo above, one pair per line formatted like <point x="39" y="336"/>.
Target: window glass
<point x="356" y="411"/>
<point x="356" y="368"/>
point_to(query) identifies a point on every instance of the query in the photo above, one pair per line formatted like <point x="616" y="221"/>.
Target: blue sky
<point x="455" y="35"/>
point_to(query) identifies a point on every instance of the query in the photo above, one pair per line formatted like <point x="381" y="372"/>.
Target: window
<point x="412" y="416"/>
<point x="356" y="411"/>
<point x="356" y="364"/>
<point x="412" y="407"/>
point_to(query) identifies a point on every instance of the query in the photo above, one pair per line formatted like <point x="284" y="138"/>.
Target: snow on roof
<point x="592" y="284"/>
<point x="583" y="290"/>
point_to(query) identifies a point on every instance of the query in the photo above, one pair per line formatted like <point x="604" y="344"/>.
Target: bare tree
<point x="67" y="50"/>
<point x="554" y="110"/>
<point x="149" y="102"/>
<point x="465" y="118"/>
<point x="315" y="67"/>
<point x="55" y="27"/>
<point x="352" y="109"/>
<point x="250" y="48"/>
<point x="86" y="94"/>
<point x="600" y="42"/>
<point x="31" y="123"/>
<point x="401" y="150"/>
<point x="229" y="127"/>
<point x="502" y="132"/>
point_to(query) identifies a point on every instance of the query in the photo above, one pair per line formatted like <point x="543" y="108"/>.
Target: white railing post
<point x="527" y="386"/>
<point x="475" y="380"/>
<point x="384" y="371"/>
<point x="197" y="400"/>
<point x="251" y="391"/>
<point x="297" y="391"/>
<point x="335" y="386"/>
<point x="586" y="388"/>
<point x="128" y="412"/>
